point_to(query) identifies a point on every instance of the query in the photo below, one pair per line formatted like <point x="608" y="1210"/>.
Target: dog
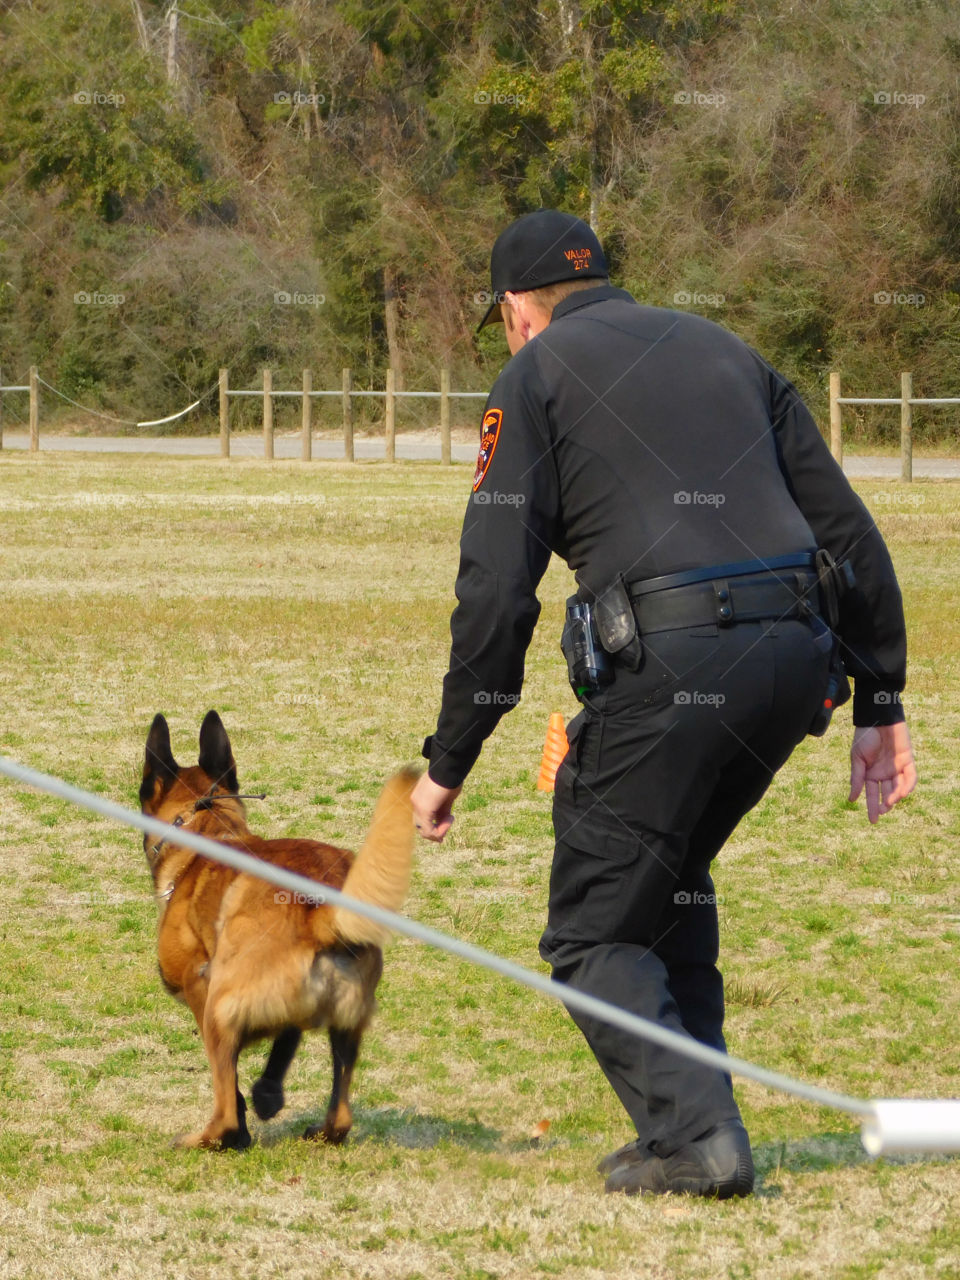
<point x="252" y="961"/>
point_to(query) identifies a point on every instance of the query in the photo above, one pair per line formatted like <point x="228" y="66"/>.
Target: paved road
<point x="240" y="446"/>
<point x="858" y="466"/>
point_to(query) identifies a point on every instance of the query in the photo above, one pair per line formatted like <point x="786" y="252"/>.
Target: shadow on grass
<point x="390" y="1127"/>
<point x="820" y="1152"/>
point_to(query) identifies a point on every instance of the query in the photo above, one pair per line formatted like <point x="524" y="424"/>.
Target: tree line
<point x="202" y="183"/>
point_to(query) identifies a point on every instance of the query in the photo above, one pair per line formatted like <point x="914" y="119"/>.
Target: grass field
<point x="309" y="604"/>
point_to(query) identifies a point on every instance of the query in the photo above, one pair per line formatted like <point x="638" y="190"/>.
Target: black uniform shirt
<point x="639" y="441"/>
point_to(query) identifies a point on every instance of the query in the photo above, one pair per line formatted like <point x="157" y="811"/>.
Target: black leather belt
<point x="722" y="595"/>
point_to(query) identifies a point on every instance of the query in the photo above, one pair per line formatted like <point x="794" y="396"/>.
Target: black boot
<point x="631" y="1153"/>
<point x="718" y="1164"/>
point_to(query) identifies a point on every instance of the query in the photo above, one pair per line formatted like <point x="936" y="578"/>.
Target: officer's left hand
<point x="431" y="808"/>
<point x="881" y="761"/>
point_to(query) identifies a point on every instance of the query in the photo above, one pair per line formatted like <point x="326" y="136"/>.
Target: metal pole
<point x="445" y="416"/>
<point x="390" y="428"/>
<point x="836" y="432"/>
<point x="306" y="450"/>
<point x="906" y="427"/>
<point x="34" y="410"/>
<point x="347" y="416"/>
<point x="268" y="413"/>
<point x="224" y="414"/>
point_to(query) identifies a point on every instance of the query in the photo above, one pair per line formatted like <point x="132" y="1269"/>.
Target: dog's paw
<point x="234" y="1140"/>
<point x="267" y="1098"/>
<point x="327" y="1134"/>
<point x="189" y="1142"/>
<point x="231" y="1140"/>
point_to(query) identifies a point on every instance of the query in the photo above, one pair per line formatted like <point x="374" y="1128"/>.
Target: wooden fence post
<point x="347" y="416"/>
<point x="906" y="427"/>
<point x="445" y="416"/>
<point x="390" y="427"/>
<point x="306" y="450"/>
<point x="224" y="414"/>
<point x="34" y="410"/>
<point x="836" y="430"/>
<point x="268" y="413"/>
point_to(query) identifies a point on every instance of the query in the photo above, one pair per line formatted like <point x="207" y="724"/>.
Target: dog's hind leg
<point x="344" y="1048"/>
<point x="227" y="1126"/>
<point x="267" y="1092"/>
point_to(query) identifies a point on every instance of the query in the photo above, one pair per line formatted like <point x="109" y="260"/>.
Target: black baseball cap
<point x="538" y="249"/>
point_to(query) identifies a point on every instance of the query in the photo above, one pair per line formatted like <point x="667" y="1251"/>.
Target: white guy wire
<point x="573" y="999"/>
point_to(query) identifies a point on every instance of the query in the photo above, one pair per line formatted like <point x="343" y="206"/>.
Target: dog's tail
<point x="380" y="873"/>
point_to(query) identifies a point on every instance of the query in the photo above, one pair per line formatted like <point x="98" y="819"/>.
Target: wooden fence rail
<point x="906" y="400"/>
<point x="346" y="395"/>
<point x="268" y="394"/>
<point x="390" y="395"/>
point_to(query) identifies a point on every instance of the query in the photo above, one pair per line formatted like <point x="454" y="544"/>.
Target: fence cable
<point x="888" y="1125"/>
<point x="126" y="422"/>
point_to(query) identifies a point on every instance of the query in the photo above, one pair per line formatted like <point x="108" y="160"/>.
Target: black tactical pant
<point x="662" y="766"/>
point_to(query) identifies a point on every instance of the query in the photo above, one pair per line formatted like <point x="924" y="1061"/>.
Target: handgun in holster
<point x="595" y="632"/>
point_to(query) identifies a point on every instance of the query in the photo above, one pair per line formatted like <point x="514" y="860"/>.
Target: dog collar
<point x="205" y="802"/>
<point x="182" y="819"/>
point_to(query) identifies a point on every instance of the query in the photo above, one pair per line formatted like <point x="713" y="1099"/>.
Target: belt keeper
<point x="805" y="607"/>
<point x="721" y="594"/>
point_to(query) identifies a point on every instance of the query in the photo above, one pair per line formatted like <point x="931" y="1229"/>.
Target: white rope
<point x="887" y="1126"/>
<point x="158" y="422"/>
<point x="127" y="422"/>
<point x="123" y="422"/>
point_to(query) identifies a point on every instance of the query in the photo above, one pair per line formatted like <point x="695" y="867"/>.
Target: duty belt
<point x="745" y="591"/>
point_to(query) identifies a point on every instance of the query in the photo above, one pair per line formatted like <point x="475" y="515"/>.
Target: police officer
<point x="725" y="568"/>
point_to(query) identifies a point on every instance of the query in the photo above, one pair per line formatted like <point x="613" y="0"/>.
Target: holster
<point x="588" y="665"/>
<point x="617" y="625"/>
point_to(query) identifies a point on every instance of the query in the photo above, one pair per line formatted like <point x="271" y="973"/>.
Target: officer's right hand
<point x="881" y="761"/>
<point x="431" y="808"/>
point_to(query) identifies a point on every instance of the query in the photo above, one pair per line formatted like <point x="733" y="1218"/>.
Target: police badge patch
<point x="489" y="435"/>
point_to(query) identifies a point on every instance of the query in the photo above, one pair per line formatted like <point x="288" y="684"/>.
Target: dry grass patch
<point x="310" y="606"/>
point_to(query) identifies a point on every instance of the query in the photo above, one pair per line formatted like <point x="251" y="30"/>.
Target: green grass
<point x="310" y="606"/>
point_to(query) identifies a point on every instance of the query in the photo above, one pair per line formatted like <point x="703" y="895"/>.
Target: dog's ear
<point x="216" y="755"/>
<point x="158" y="762"/>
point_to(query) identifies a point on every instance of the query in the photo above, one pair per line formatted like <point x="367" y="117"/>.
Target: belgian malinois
<point x="254" y="961"/>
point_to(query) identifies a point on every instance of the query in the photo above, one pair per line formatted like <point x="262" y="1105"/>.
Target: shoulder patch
<point x="489" y="435"/>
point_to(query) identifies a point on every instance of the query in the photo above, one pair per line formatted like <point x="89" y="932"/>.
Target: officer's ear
<point x="516" y="330"/>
